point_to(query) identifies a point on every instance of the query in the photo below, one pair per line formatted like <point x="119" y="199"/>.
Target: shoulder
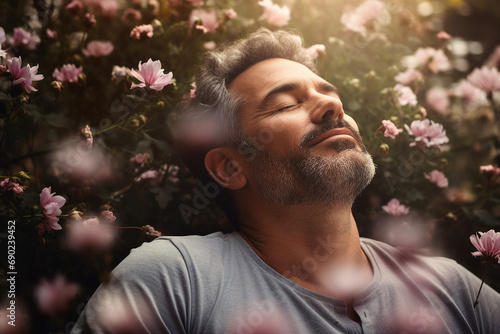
<point x="173" y="253"/>
<point x="441" y="268"/>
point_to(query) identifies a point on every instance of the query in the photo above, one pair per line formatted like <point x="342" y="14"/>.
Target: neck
<point x="306" y="243"/>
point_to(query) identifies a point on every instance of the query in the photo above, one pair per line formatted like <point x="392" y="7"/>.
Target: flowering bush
<point x="92" y="122"/>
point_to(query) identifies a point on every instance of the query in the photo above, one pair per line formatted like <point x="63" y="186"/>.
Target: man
<point x="292" y="163"/>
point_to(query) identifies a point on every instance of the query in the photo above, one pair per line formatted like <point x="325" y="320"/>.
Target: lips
<point x="331" y="133"/>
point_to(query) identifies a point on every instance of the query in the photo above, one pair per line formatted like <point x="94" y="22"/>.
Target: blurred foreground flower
<point x="89" y="236"/>
<point x="395" y="208"/>
<point x="274" y="14"/>
<point x="23" y="76"/>
<point x="485" y="78"/>
<point x="10" y="185"/>
<point x="437" y="178"/>
<point x="51" y="207"/>
<point x="362" y="16"/>
<point x="427" y="134"/>
<point x="54" y="297"/>
<point x="98" y="49"/>
<point x="68" y="72"/>
<point x="488" y="246"/>
<point x="151" y="75"/>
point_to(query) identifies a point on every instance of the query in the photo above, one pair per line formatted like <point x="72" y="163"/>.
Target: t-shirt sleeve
<point x="149" y="292"/>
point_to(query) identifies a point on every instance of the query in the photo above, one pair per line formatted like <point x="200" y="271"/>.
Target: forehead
<point x="262" y="77"/>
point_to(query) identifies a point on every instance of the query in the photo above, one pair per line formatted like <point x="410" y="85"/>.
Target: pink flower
<point x="438" y="178"/>
<point x="104" y="8"/>
<point x="192" y="92"/>
<point x="23" y="75"/>
<point x="443" y="35"/>
<point x="150" y="231"/>
<point x="230" y="14"/>
<point x="68" y="72"/>
<point x="51" y="207"/>
<point x="437" y="99"/>
<point x="485" y="78"/>
<point x="87" y="135"/>
<point x="433" y="59"/>
<point x="362" y="16"/>
<point x="74" y="7"/>
<point x="487" y="171"/>
<point x="156" y="176"/>
<point x="51" y="33"/>
<point x="119" y="73"/>
<point x="54" y="297"/>
<point x="470" y="93"/>
<point x="405" y="95"/>
<point x="208" y="19"/>
<point x="107" y="216"/>
<point x="10" y="185"/>
<point x="395" y="208"/>
<point x="24" y="39"/>
<point x="487" y="245"/>
<point x="315" y="50"/>
<point x="427" y="133"/>
<point x="131" y="14"/>
<point x="151" y="75"/>
<point x="274" y="14"/>
<point x="408" y="77"/>
<point x="210" y="45"/>
<point x="140" y="158"/>
<point x="89" y="236"/>
<point x="142" y="31"/>
<point x="391" y="130"/>
<point x="98" y="49"/>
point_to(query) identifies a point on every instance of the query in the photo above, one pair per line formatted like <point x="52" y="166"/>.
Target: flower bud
<point x="422" y="112"/>
<point x="160" y="104"/>
<point x="394" y="119"/>
<point x="82" y="78"/>
<point x="450" y="216"/>
<point x="57" y="86"/>
<point x="354" y="82"/>
<point x="76" y="215"/>
<point x="442" y="164"/>
<point x="90" y="20"/>
<point x="384" y="150"/>
<point x="371" y="75"/>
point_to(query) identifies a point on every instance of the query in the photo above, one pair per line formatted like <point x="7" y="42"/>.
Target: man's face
<point x="312" y="152"/>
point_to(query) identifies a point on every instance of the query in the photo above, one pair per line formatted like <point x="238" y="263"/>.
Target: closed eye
<point x="284" y="108"/>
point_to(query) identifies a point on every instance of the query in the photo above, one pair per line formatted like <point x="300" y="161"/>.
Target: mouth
<point x="333" y="134"/>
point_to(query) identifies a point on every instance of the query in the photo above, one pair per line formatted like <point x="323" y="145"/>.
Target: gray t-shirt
<point x="216" y="284"/>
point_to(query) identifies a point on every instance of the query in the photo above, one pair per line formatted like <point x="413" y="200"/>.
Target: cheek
<point x="351" y="121"/>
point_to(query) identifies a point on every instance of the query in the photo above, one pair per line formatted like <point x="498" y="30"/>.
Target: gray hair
<point x="219" y="68"/>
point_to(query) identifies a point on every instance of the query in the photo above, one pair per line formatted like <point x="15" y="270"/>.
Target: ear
<point x="224" y="168"/>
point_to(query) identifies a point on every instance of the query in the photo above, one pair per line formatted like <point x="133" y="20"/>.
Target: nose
<point x="326" y="108"/>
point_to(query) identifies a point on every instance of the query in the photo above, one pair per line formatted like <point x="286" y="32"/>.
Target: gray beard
<point x="298" y="178"/>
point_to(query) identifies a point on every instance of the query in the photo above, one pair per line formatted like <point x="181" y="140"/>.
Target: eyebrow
<point x="323" y="86"/>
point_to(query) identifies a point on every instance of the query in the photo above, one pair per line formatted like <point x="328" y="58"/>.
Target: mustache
<point x="327" y="126"/>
